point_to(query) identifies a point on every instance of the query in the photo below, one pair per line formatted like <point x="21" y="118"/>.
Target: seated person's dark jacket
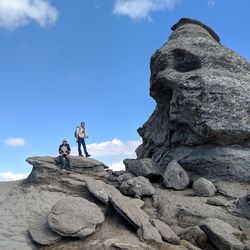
<point x="64" y="149"/>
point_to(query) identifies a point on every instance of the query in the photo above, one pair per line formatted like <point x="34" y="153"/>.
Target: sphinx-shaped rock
<point x="202" y="115"/>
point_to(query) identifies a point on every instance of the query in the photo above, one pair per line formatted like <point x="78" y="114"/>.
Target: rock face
<point x="175" y="176"/>
<point x="202" y="116"/>
<point x="75" y="217"/>
<point x="203" y="187"/>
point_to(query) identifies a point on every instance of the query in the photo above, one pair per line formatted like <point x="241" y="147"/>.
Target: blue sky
<point x="63" y="62"/>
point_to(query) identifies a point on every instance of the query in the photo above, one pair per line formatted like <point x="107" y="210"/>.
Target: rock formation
<point x="195" y="145"/>
<point x="202" y="115"/>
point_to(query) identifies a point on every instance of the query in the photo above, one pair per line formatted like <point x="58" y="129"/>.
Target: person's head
<point x="65" y="141"/>
<point x="82" y="124"/>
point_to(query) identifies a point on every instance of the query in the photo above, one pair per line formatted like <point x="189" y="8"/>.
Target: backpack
<point x="75" y="134"/>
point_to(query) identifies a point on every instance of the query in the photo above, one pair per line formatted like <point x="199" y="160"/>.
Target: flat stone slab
<point x="222" y="235"/>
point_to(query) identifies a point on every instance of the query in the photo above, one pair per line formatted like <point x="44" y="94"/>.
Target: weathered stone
<point x="244" y="205"/>
<point x="197" y="82"/>
<point x="166" y="232"/>
<point x="222" y="235"/>
<point x="203" y="187"/>
<point x="129" y="210"/>
<point x="75" y="217"/>
<point x="100" y="190"/>
<point x="147" y="232"/>
<point x="175" y="176"/>
<point x="189" y="246"/>
<point x="195" y="236"/>
<point x="137" y="186"/>
<point x="41" y="233"/>
<point x="45" y="169"/>
<point x="217" y="202"/>
<point x="143" y="167"/>
<point x="247" y="245"/>
<point x="124" y="177"/>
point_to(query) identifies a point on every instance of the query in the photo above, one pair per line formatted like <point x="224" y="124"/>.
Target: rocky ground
<point x="181" y="212"/>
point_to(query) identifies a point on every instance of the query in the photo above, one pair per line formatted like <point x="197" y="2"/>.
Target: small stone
<point x="204" y="188"/>
<point x="137" y="187"/>
<point x="166" y="232"/>
<point x="175" y="176"/>
<point x="195" y="236"/>
<point x="148" y="232"/>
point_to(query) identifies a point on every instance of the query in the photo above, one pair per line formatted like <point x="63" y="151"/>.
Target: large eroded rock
<point x="75" y="217"/>
<point x="202" y="116"/>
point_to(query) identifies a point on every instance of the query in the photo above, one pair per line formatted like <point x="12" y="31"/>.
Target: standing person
<point x="64" y="151"/>
<point x="81" y="135"/>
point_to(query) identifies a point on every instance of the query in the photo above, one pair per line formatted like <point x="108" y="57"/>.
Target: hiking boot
<point x="88" y="155"/>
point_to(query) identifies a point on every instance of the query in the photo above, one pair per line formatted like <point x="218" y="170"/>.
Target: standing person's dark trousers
<point x="61" y="159"/>
<point x="80" y="142"/>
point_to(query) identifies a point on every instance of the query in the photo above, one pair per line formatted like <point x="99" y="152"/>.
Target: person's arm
<point x="69" y="149"/>
<point x="60" y="149"/>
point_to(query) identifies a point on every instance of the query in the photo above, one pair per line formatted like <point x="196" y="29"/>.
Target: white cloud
<point x="141" y="9"/>
<point x="15" y="142"/>
<point x="117" y="166"/>
<point x="17" y="13"/>
<point x="111" y="148"/>
<point x="112" y="152"/>
<point x="211" y="3"/>
<point x="9" y="176"/>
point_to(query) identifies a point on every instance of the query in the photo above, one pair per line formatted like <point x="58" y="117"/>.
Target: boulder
<point x="136" y="217"/>
<point x="41" y="233"/>
<point x="244" y="205"/>
<point x="100" y="189"/>
<point x="204" y="188"/>
<point x="217" y="202"/>
<point x="195" y="236"/>
<point x="137" y="187"/>
<point x="175" y="176"/>
<point x="166" y="232"/>
<point x="247" y="245"/>
<point x="143" y="167"/>
<point x="196" y="83"/>
<point x="222" y="235"/>
<point x="129" y="210"/>
<point x="124" y="177"/>
<point x="75" y="217"/>
<point x="147" y="232"/>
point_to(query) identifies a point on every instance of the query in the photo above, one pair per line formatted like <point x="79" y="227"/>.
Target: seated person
<point x="64" y="151"/>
